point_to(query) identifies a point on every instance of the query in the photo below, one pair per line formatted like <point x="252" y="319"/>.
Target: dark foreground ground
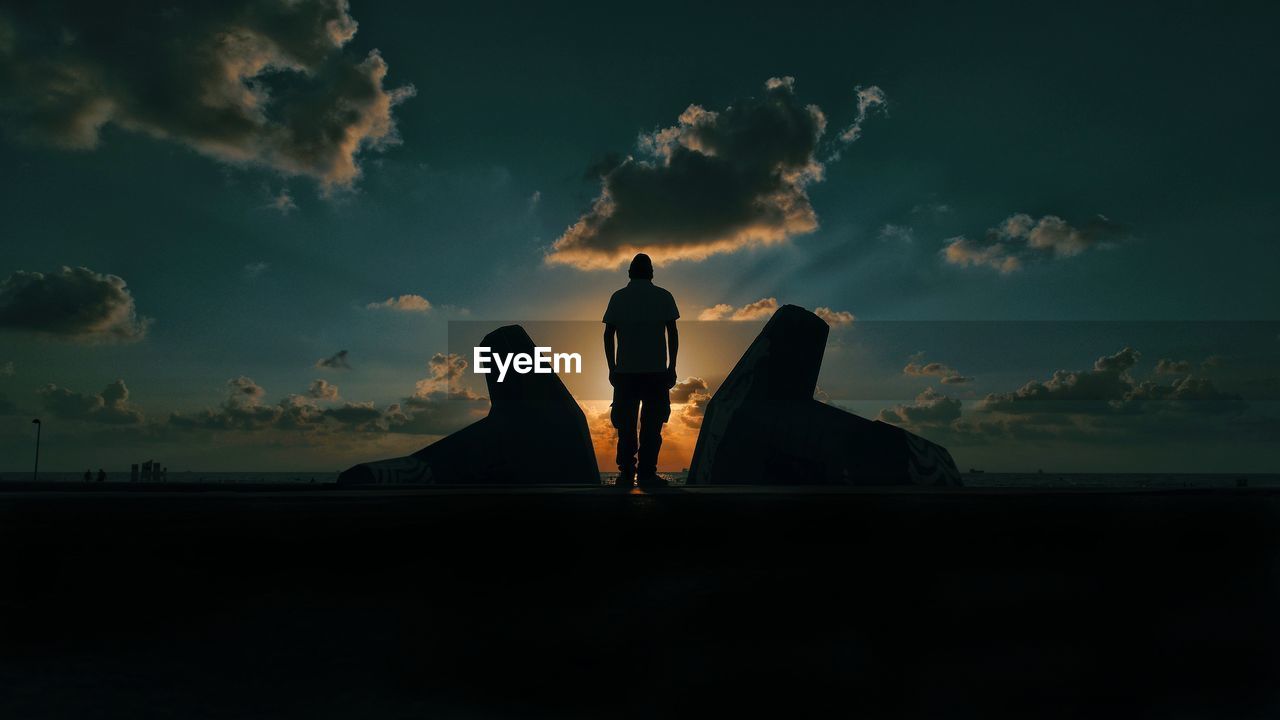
<point x="416" y="604"/>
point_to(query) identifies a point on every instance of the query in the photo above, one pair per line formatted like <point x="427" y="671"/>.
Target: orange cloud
<point x="764" y="308"/>
<point x="404" y="303"/>
<point x="761" y="309"/>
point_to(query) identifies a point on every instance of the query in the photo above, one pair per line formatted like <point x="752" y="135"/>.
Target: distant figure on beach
<point x="641" y="322"/>
<point x="88" y="475"/>
<point x="102" y="475"/>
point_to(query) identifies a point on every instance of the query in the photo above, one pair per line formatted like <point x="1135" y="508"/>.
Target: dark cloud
<point x="111" y="406"/>
<point x="685" y="389"/>
<point x="715" y="182"/>
<point x="930" y="409"/>
<point x="354" y="414"/>
<point x="690" y="397"/>
<point x="1165" y="366"/>
<point x="249" y="82"/>
<point x="601" y="168"/>
<point x="946" y="374"/>
<point x="245" y="409"/>
<point x="440" y="404"/>
<point x="1105" y="404"/>
<point x="435" y="415"/>
<point x="1069" y="391"/>
<point x="1186" y="394"/>
<point x="75" y="303"/>
<point x="1109" y="389"/>
<point x="1020" y="239"/>
<point x="337" y="361"/>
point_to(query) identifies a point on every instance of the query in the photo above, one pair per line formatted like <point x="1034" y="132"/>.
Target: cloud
<point x="440" y="402"/>
<point x="244" y="409"/>
<point x="111" y="406"/>
<point x="1104" y="404"/>
<point x="964" y="252"/>
<point x="896" y="233"/>
<point x="930" y="409"/>
<point x="764" y="308"/>
<point x="1110" y="388"/>
<point x="1186" y="394"/>
<point x="360" y="415"/>
<point x="336" y="361"/>
<point x="687" y="388"/>
<point x="282" y="202"/>
<point x="322" y="390"/>
<point x="7" y="369"/>
<point x="446" y="372"/>
<point x="436" y="415"/>
<point x="869" y="99"/>
<point x="436" y="407"/>
<point x="759" y="310"/>
<point x="715" y="182"/>
<point x="74" y="303"/>
<point x="930" y="208"/>
<point x="834" y="318"/>
<point x="690" y="396"/>
<point x="6" y="405"/>
<point x="1020" y="239"/>
<point x="948" y="375"/>
<point x="1165" y="366"/>
<point x="1094" y="391"/>
<point x="254" y="269"/>
<point x="256" y="83"/>
<point x="404" y="303"/>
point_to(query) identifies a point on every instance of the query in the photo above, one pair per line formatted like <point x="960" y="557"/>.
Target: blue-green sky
<point x="260" y="186"/>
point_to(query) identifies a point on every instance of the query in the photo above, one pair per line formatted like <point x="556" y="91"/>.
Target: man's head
<point x="641" y="268"/>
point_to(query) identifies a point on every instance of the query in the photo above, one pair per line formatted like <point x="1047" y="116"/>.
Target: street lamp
<point x="35" y="475"/>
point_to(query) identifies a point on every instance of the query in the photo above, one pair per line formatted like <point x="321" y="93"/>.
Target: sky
<point x="235" y="237"/>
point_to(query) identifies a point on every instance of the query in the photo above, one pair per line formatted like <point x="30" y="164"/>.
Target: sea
<point x="1046" y="480"/>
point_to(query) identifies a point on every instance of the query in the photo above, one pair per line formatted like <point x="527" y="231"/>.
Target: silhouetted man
<point x="642" y="319"/>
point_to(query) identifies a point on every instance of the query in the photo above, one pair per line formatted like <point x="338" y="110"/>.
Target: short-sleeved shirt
<point x="640" y="311"/>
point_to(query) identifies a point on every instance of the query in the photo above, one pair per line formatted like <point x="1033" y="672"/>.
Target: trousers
<point x="646" y="397"/>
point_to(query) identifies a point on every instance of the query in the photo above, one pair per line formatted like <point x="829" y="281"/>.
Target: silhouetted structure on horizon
<point x="763" y="427"/>
<point x="535" y="433"/>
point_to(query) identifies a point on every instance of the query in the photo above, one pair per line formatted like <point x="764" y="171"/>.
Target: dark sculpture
<point x="763" y="427"/>
<point x="535" y="433"/>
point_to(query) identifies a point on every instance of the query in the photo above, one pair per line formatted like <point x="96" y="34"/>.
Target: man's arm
<point x="673" y="349"/>
<point x="610" y="331"/>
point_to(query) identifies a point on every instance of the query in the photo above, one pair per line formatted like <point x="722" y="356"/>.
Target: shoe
<point x="652" y="480"/>
<point x="625" y="481"/>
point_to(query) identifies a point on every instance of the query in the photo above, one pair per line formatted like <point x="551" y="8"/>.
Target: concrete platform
<point x="571" y="602"/>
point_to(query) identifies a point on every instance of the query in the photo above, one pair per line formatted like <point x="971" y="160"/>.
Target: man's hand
<point x="613" y="378"/>
<point x="671" y="377"/>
